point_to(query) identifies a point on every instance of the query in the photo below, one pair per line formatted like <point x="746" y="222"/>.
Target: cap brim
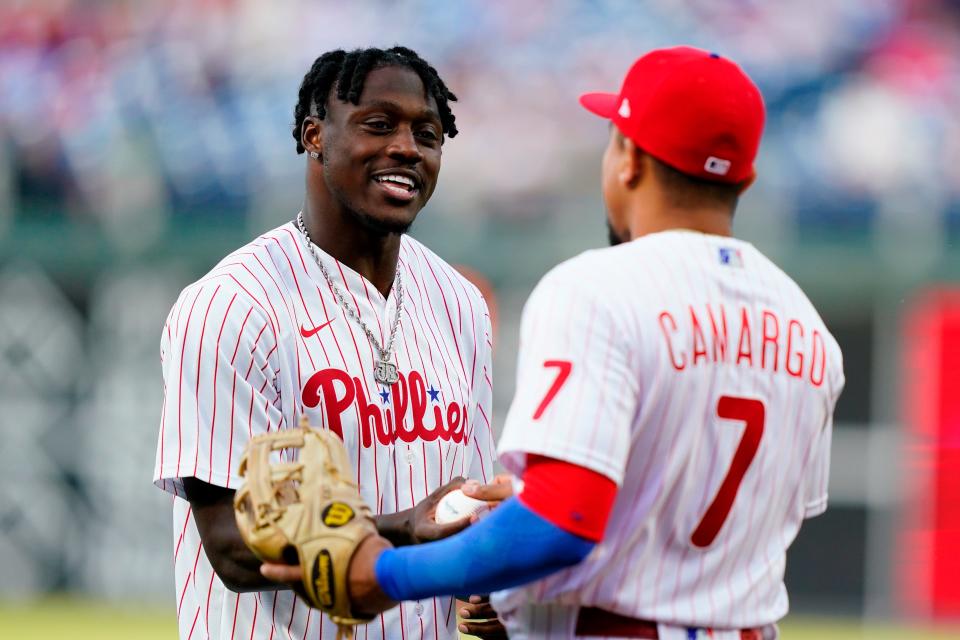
<point x="601" y="104"/>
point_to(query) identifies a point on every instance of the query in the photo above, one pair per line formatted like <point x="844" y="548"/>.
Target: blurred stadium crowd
<point x="118" y="111"/>
<point x="141" y="141"/>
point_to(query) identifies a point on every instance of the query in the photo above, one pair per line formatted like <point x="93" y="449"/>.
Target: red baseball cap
<point x="691" y="109"/>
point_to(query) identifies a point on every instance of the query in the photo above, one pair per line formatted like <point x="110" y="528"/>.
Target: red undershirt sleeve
<point x="574" y="498"/>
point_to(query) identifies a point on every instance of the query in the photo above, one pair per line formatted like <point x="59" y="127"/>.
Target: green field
<point x="56" y="619"/>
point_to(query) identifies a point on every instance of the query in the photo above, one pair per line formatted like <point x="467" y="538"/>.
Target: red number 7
<point x="752" y="412"/>
<point x="564" y="366"/>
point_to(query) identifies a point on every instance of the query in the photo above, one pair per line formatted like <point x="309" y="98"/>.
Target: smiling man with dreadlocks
<point x="341" y="318"/>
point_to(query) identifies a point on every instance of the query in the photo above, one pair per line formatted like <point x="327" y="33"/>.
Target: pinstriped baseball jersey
<point x="261" y="340"/>
<point x="693" y="372"/>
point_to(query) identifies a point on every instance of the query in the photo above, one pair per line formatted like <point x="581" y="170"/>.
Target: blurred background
<point x="142" y="141"/>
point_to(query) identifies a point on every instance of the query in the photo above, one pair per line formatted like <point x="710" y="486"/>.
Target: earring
<point x="314" y="155"/>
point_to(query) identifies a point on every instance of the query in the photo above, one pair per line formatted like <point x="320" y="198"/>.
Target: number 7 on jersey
<point x="753" y="414"/>
<point x="564" y="367"/>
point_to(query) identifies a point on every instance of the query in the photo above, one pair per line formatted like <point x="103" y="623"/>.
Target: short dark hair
<point x="348" y="71"/>
<point x="685" y="190"/>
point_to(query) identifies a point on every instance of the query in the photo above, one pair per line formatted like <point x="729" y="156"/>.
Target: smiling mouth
<point x="398" y="186"/>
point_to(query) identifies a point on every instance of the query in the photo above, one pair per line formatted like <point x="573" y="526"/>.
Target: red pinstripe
<point x="252" y="350"/>
<point x="273" y="615"/>
<point x="450" y="610"/>
<point x="203" y="331"/>
<point x="240" y="335"/>
<point x="453" y="463"/>
<point x="293" y="610"/>
<point x="426" y="489"/>
<point x="193" y="626"/>
<point x="236" y="609"/>
<point x="253" y="623"/>
<point x="183" y="593"/>
<point x="250" y="415"/>
<point x="195" y="561"/>
<point x="216" y="365"/>
<point x="269" y="353"/>
<point x="180" y="311"/>
<point x="186" y="520"/>
<point x="306" y="628"/>
<point x="206" y="616"/>
<point x="480" y="453"/>
<point x="163" y="410"/>
<point x="180" y="385"/>
<point x="233" y="406"/>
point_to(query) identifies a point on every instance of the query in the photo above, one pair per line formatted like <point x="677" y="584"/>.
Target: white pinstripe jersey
<point x="259" y="341"/>
<point x="693" y="372"/>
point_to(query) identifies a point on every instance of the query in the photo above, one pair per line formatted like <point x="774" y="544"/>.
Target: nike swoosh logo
<point x="306" y="333"/>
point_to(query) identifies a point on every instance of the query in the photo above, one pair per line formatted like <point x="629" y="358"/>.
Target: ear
<point x="311" y="135"/>
<point x="632" y="167"/>
<point x="745" y="184"/>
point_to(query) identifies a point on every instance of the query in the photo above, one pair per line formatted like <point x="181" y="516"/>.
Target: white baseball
<point x="456" y="505"/>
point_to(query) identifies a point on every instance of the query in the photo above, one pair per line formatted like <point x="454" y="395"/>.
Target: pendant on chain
<point x="386" y="372"/>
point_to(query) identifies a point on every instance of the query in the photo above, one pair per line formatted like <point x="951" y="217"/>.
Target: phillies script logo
<point x="402" y="413"/>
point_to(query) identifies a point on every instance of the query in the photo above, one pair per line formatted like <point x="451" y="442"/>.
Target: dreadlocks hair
<point x="348" y="71"/>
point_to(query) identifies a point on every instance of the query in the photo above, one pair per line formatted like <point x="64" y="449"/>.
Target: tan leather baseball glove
<point x="305" y="511"/>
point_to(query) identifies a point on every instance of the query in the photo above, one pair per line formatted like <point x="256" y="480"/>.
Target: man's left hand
<point x="478" y="618"/>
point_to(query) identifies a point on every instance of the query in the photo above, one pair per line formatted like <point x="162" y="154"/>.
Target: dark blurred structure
<point x="140" y="142"/>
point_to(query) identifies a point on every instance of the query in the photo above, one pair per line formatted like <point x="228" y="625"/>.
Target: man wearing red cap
<point x="672" y="421"/>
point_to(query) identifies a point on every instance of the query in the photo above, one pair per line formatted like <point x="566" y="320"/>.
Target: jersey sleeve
<point x="817" y="479"/>
<point x="575" y="395"/>
<point x="818" y="475"/>
<point x="481" y="450"/>
<point x="220" y="367"/>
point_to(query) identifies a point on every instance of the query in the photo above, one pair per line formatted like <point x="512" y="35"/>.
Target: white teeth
<point x="396" y="178"/>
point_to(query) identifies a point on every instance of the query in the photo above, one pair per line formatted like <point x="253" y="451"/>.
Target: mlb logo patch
<point x="718" y="166"/>
<point x="731" y="257"/>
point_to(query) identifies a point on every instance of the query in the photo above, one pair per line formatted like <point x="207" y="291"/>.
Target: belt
<point x="592" y="621"/>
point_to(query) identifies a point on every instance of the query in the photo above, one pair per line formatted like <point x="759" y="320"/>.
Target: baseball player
<point x="341" y="317"/>
<point x="673" y="410"/>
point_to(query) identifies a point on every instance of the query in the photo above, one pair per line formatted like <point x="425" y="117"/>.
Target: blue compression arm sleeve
<point x="512" y="546"/>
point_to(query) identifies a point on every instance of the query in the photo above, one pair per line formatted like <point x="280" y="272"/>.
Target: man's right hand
<point x="418" y="524"/>
<point x="228" y="554"/>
